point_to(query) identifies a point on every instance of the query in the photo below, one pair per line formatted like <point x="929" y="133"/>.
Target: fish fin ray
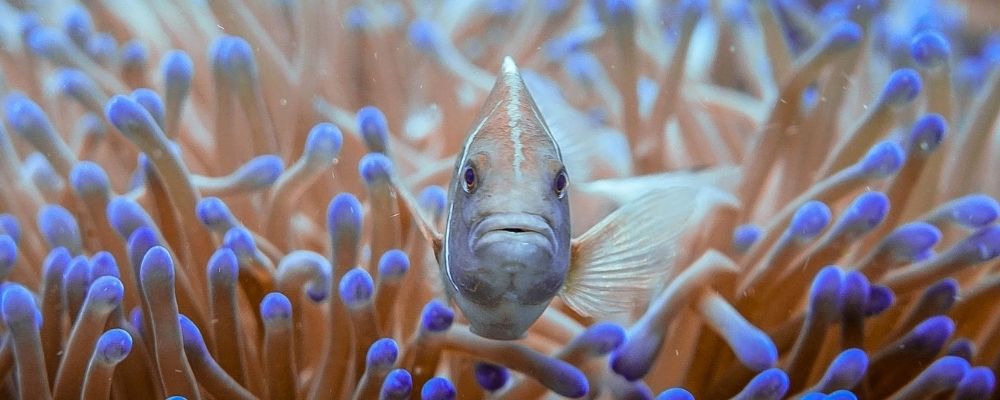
<point x="618" y="261"/>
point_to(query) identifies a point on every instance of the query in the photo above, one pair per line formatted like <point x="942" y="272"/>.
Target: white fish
<point x="506" y="249"/>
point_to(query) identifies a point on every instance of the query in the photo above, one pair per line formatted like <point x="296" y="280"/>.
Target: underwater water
<point x="233" y="200"/>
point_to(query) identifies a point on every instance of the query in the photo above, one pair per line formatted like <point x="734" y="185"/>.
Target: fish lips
<point x="520" y="227"/>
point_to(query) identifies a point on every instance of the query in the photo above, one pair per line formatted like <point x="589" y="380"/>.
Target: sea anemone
<point x="205" y="199"/>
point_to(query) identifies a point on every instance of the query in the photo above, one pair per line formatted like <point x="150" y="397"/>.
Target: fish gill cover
<point x="190" y="206"/>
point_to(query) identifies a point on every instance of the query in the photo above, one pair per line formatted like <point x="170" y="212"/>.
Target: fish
<point x="506" y="249"/>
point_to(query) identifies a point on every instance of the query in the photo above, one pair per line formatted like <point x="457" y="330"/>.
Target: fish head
<point x="506" y="245"/>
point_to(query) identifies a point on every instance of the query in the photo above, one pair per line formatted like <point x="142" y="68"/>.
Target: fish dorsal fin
<point x="618" y="261"/>
<point x="411" y="208"/>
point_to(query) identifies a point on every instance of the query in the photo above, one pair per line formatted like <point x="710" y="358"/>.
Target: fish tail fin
<point x="618" y="261"/>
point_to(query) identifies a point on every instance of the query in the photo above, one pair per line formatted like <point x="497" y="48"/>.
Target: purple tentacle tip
<point x="982" y="245"/>
<point x="10" y="227"/>
<point x="130" y="117"/>
<point x="88" y="178"/>
<point x="177" y="67"/>
<point x="78" y="25"/>
<point x="961" y="348"/>
<point x="356" y="288"/>
<point x="214" y="214"/>
<point x="635" y="357"/>
<point x="107" y="290"/>
<point x="978" y="383"/>
<point x="59" y="228"/>
<point x="770" y="384"/>
<point x="491" y="377"/>
<point x="930" y="336"/>
<point x="619" y="8"/>
<point x="375" y="167"/>
<point x="974" y="210"/>
<point x="855" y="293"/>
<point x="17" y="306"/>
<point x="126" y="216"/>
<point x="910" y="241"/>
<point x="103" y="264"/>
<point x="438" y="388"/>
<point x="374" y="129"/>
<point x="323" y="144"/>
<point x="393" y="264"/>
<point x="745" y="236"/>
<point x="809" y="220"/>
<point x="825" y="294"/>
<point x="134" y="54"/>
<point x="102" y="47"/>
<point x="344" y="212"/>
<point x="8" y="254"/>
<point x="194" y="342"/>
<point x="845" y="371"/>
<point x="157" y="265"/>
<point x="930" y="49"/>
<point x="152" y="102"/>
<point x="260" y="172"/>
<point x="139" y="243"/>
<point x="240" y="58"/>
<point x="675" y="394"/>
<point x="114" y="345"/>
<point x="275" y="307"/>
<point x="880" y="298"/>
<point x="48" y="42"/>
<point x="902" y="88"/>
<point x="841" y="395"/>
<point x="433" y="198"/>
<point x="845" y="35"/>
<point x="927" y="133"/>
<point x="223" y="267"/>
<point x="865" y="212"/>
<point x="241" y="242"/>
<point x="382" y="354"/>
<point x="602" y="338"/>
<point x="76" y="83"/>
<point x="25" y="116"/>
<point x="397" y="385"/>
<point x="884" y="159"/>
<point x="436" y="317"/>
<point x="424" y="36"/>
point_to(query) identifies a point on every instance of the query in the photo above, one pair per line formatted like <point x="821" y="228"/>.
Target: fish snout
<point x="529" y="228"/>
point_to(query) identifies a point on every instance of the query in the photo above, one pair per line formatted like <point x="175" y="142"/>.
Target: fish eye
<point x="469" y="178"/>
<point x="560" y="184"/>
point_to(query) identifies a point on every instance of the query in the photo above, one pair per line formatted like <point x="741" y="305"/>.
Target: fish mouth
<point x="512" y="226"/>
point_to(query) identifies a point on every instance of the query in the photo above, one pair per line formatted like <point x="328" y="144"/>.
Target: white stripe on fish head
<point x="511" y="78"/>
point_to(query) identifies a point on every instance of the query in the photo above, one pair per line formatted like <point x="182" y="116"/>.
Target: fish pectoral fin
<point x="618" y="261"/>
<point x="414" y="214"/>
